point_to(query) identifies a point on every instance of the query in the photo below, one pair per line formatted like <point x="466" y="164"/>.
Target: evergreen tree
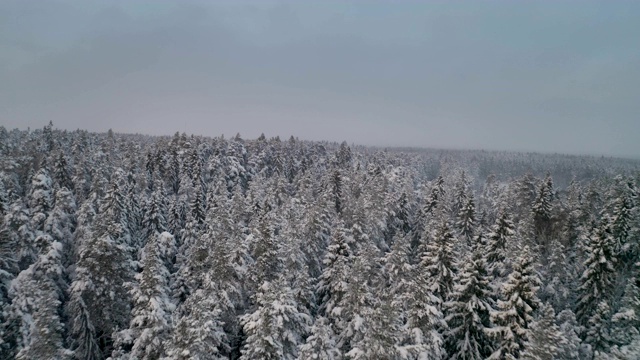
<point x="151" y="322"/>
<point x="380" y="328"/>
<point x="438" y="262"/>
<point x="598" y="329"/>
<point x="597" y="281"/>
<point x="469" y="310"/>
<point x="103" y="268"/>
<point x="35" y="308"/>
<point x="61" y="172"/>
<point x="20" y="234"/>
<point x="435" y="197"/>
<point x="546" y="337"/>
<point x="570" y="349"/>
<point x="198" y="332"/>
<point x="467" y="219"/>
<point x="543" y="206"/>
<point x="515" y="309"/>
<point x="40" y="198"/>
<point x="418" y="335"/>
<point x="626" y="321"/>
<point x="496" y="253"/>
<point x="154" y="221"/>
<point x="332" y="283"/>
<point x="276" y="328"/>
<point x="321" y="343"/>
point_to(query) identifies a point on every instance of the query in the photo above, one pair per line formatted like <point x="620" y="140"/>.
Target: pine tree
<point x="596" y="283"/>
<point x="266" y="251"/>
<point x="40" y="198"/>
<point x="624" y="223"/>
<point x="103" y="268"/>
<point x="570" y="349"/>
<point x="626" y="321"/>
<point x="61" y="172"/>
<point x="546" y="337"/>
<point x="543" y="206"/>
<point x="61" y="223"/>
<point x="435" y="197"/>
<point x="598" y="329"/>
<point x="35" y="307"/>
<point x="154" y="221"/>
<point x="20" y="234"/>
<point x="469" y="310"/>
<point x="198" y="332"/>
<point x="150" y="325"/>
<point x="418" y="336"/>
<point x="515" y="308"/>
<point x="321" y="343"/>
<point x="380" y="328"/>
<point x="276" y="328"/>
<point x="498" y="238"/>
<point x="332" y="282"/>
<point x="85" y="343"/>
<point x="467" y="219"/>
<point x="350" y="314"/>
<point x="438" y="261"/>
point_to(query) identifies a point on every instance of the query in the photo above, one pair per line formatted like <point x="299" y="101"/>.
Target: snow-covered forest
<point x="187" y="247"/>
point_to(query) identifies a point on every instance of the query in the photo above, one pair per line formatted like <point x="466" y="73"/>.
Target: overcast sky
<point x="546" y="76"/>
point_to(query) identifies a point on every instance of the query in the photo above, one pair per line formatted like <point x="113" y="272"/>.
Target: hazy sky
<point x="546" y="76"/>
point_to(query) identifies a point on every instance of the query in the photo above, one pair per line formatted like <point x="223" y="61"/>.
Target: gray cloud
<point x="541" y="76"/>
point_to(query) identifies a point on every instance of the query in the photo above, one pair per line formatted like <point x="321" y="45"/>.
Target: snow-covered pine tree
<point x="543" y="205"/>
<point x="518" y="302"/>
<point x="467" y="219"/>
<point x="626" y="321"/>
<point x="624" y="222"/>
<point x="379" y="328"/>
<point x="35" y="308"/>
<point x="102" y="269"/>
<point x="151" y="314"/>
<point x="412" y="299"/>
<point x="198" y="331"/>
<point x="468" y="311"/>
<point x="546" y="338"/>
<point x="496" y="250"/>
<point x="61" y="222"/>
<point x="437" y="260"/>
<point x="598" y="332"/>
<point x="276" y="328"/>
<point x="40" y="198"/>
<point x="321" y="342"/>
<point x="154" y="221"/>
<point x="332" y="283"/>
<point x="61" y="173"/>
<point x="436" y="196"/>
<point x="597" y="281"/>
<point x="571" y="348"/>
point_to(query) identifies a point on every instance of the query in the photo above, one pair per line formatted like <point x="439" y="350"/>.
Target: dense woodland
<point x="187" y="247"/>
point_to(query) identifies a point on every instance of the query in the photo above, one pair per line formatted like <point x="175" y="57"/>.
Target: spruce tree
<point x="438" y="261"/>
<point x="35" y="308"/>
<point x="468" y="312"/>
<point x="546" y="337"/>
<point x="276" y="328"/>
<point x="321" y="342"/>
<point x="198" y="331"/>
<point x="517" y="304"/>
<point x="496" y="252"/>
<point x="597" y="281"/>
<point x="151" y="314"/>
<point x="466" y="220"/>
